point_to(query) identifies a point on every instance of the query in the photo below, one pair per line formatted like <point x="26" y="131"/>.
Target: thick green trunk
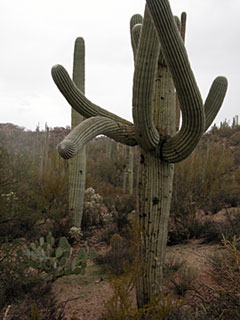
<point x="155" y="190"/>
<point x="77" y="165"/>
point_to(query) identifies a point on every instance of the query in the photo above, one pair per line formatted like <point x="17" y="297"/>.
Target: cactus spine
<point x="77" y="165"/>
<point x="161" y="66"/>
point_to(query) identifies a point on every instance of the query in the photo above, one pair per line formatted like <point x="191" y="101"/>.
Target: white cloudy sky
<point x="36" y="34"/>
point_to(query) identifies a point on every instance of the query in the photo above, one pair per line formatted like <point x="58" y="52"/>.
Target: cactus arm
<point x="182" y="29"/>
<point x="79" y="64"/>
<point x="180" y="146"/>
<point x="135" y="20"/>
<point x="89" y="129"/>
<point x="214" y="100"/>
<point x="136" y="32"/>
<point x="183" y="25"/>
<point x="143" y="85"/>
<point x="77" y="99"/>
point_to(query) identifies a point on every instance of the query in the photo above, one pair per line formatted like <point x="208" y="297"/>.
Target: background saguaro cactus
<point x="161" y="68"/>
<point x="77" y="166"/>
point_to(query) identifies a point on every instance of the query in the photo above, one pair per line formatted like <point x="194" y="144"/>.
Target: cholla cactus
<point x="93" y="209"/>
<point x="161" y="69"/>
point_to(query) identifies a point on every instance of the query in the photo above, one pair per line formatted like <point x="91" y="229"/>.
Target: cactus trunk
<point x="77" y="165"/>
<point x="155" y="191"/>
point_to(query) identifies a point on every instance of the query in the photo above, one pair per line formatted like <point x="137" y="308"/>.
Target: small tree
<point x="161" y="66"/>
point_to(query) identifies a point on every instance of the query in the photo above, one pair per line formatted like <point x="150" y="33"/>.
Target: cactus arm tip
<point x="89" y="129"/>
<point x="215" y="100"/>
<point x="136" y="32"/>
<point x="66" y="149"/>
<point x="136" y="19"/>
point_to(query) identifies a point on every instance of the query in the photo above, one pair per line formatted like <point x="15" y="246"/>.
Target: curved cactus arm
<point x="79" y="64"/>
<point x="180" y="146"/>
<point x="214" y="100"/>
<point x="143" y="85"/>
<point x="89" y="129"/>
<point x="136" y="32"/>
<point x="182" y="29"/>
<point x="77" y="99"/>
<point x="183" y="25"/>
<point x="135" y="20"/>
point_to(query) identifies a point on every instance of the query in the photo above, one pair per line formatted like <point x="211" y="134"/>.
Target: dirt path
<point x="89" y="292"/>
<point x="85" y="295"/>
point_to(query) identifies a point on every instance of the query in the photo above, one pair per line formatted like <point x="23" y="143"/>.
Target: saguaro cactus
<point x="77" y="165"/>
<point x="161" y="67"/>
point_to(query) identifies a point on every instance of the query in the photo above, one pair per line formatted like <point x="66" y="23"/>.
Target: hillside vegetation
<point x="34" y="204"/>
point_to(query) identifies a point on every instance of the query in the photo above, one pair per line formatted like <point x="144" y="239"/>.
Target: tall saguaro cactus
<point x="161" y="68"/>
<point x="77" y="165"/>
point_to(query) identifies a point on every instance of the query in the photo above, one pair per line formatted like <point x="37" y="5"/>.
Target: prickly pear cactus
<point x="162" y="76"/>
<point x="53" y="262"/>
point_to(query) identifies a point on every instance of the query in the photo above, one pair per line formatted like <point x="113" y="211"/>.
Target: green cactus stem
<point x="162" y="70"/>
<point x="77" y="165"/>
<point x="180" y="146"/>
<point x="89" y="129"/>
<point x="135" y="28"/>
<point x="77" y="99"/>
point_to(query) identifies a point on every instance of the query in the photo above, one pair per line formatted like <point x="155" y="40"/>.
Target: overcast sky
<point x="37" y="34"/>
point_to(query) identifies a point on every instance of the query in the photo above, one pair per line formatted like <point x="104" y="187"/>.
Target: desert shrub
<point x="222" y="300"/>
<point x="204" y="180"/>
<point x="172" y="265"/>
<point x="182" y="229"/>
<point x="119" y="255"/>
<point x="121" y="305"/>
<point x="182" y="280"/>
<point x="15" y="278"/>
<point x="107" y="232"/>
<point x="236" y="155"/>
<point x="123" y="205"/>
<point x="235" y="139"/>
<point x="32" y="195"/>
<point x="225" y="130"/>
<point x="34" y="313"/>
<point x="230" y="227"/>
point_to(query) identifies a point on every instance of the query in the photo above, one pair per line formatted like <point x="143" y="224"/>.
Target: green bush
<point x="222" y="300"/>
<point x="15" y="278"/>
<point x="182" y="280"/>
<point x="229" y="228"/>
<point x="119" y="255"/>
